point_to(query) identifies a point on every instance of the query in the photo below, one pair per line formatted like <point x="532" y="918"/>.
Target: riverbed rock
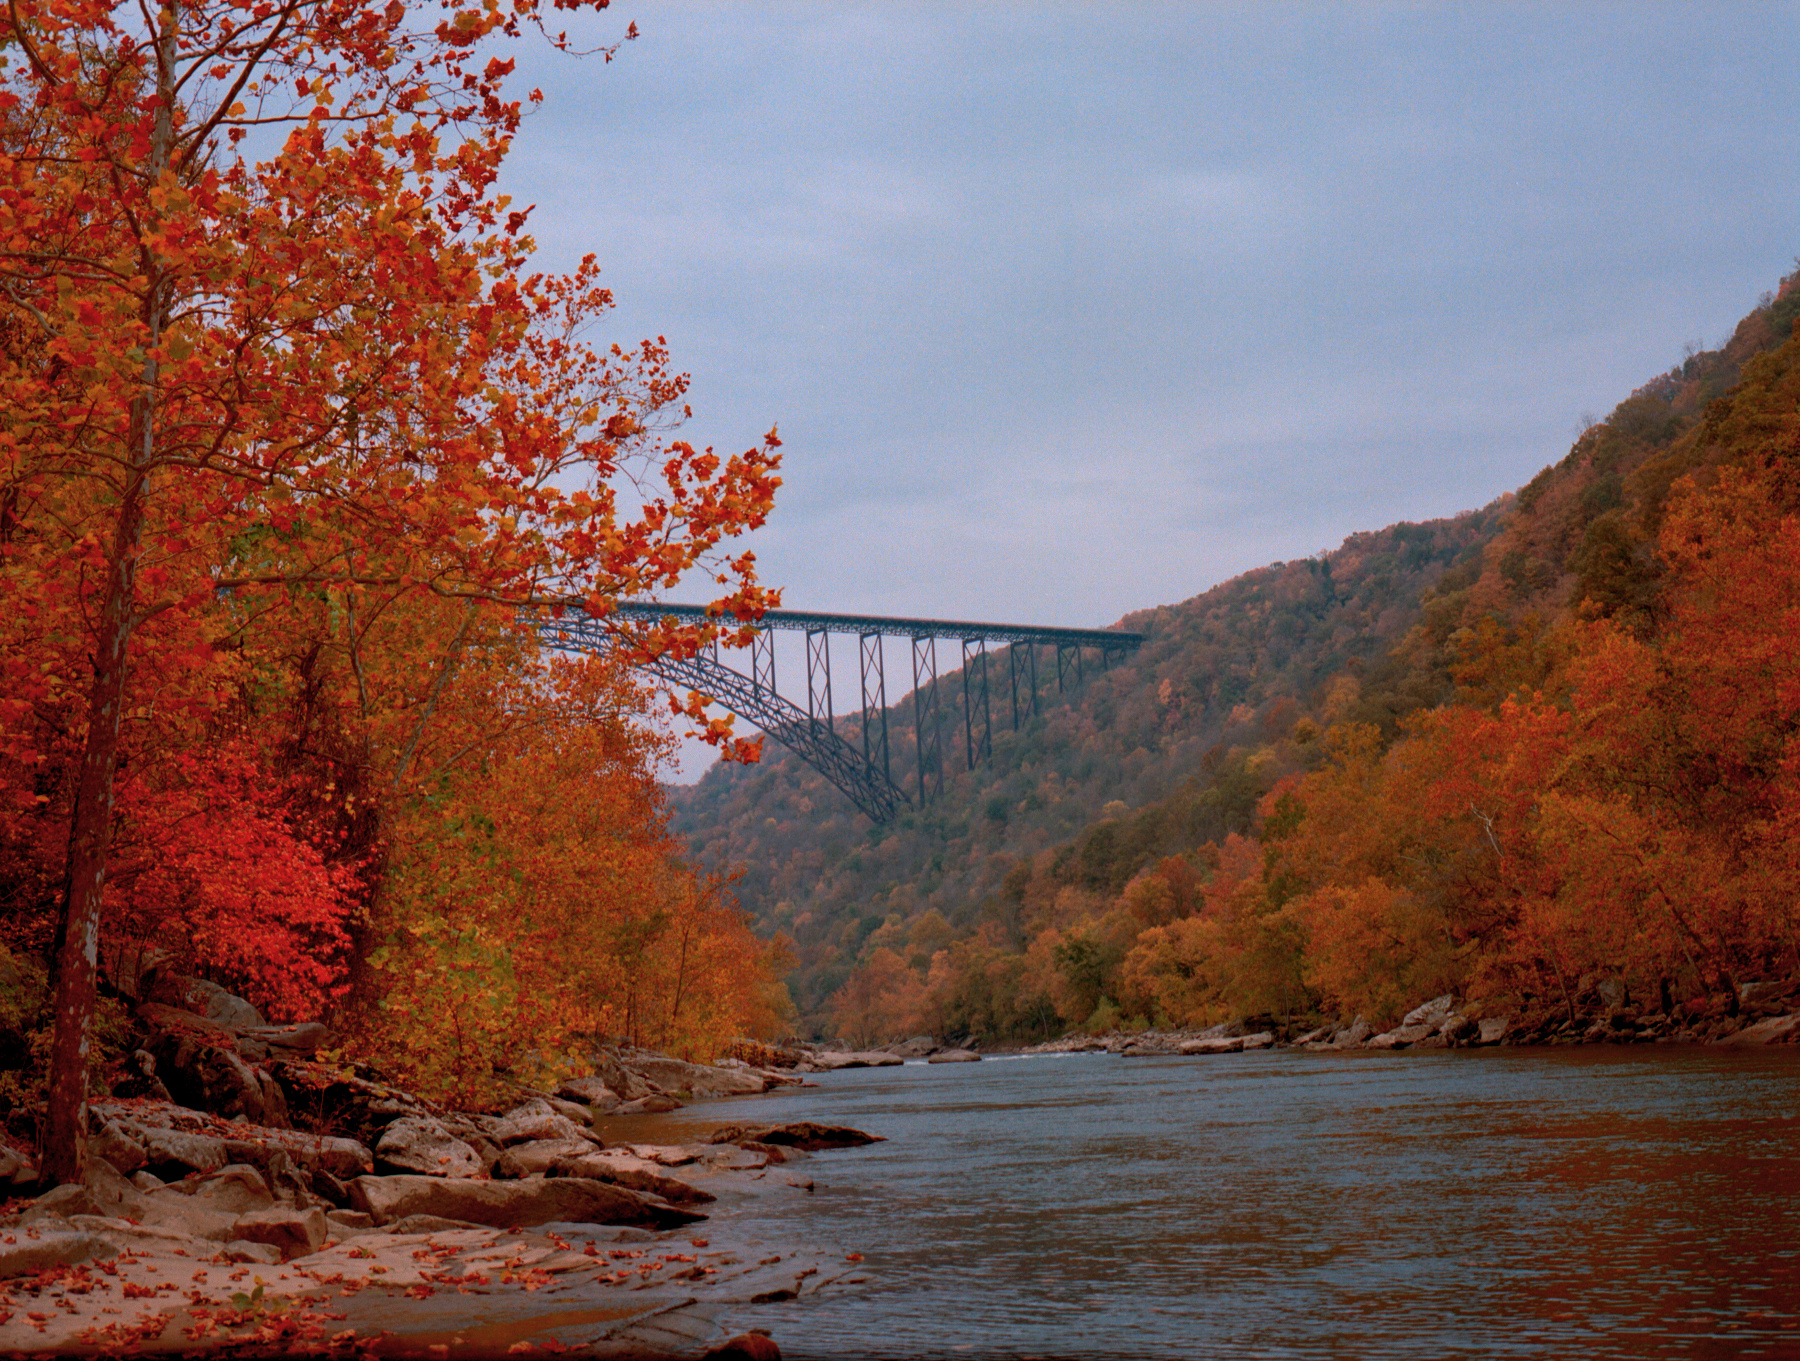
<point x="204" y="998"/>
<point x="295" y="1232"/>
<point x="918" y="1047"/>
<point x="1353" y="1035"/>
<point x="512" y="1204"/>
<point x="538" y="1156"/>
<point x="1400" y="1037"/>
<point x="657" y="1103"/>
<point x="802" y="1134"/>
<point x="535" y="1119"/>
<point x="283" y="1041"/>
<point x="1213" y="1044"/>
<point x="16" y="1169"/>
<point x="179" y="1151"/>
<point x="615" y="1068"/>
<point x="954" y="1056"/>
<point x="1493" y="1029"/>
<point x="235" y="1189"/>
<point x="830" y="1060"/>
<point x="202" y="1070"/>
<point x="43" y="1246"/>
<point x="637" y="1174"/>
<point x="699" y="1080"/>
<point x="1432" y="1014"/>
<point x="744" y="1347"/>
<point x="420" y="1143"/>
<point x="592" y="1092"/>
<point x="1771" y="1030"/>
<point x="117" y="1147"/>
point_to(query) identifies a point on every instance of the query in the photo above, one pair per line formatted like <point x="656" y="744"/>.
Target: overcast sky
<point x="1064" y="311"/>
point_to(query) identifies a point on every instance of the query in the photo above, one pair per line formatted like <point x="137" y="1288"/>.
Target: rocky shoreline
<point x="243" y="1198"/>
<point x="1598" y="1012"/>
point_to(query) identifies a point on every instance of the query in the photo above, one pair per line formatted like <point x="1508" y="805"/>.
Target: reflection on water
<point x="1607" y="1203"/>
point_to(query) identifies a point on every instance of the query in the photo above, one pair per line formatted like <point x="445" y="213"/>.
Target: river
<point x="1599" y="1202"/>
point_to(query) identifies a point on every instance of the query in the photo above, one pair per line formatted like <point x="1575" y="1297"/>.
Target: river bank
<point x="243" y="1198"/>
<point x="1597" y="1011"/>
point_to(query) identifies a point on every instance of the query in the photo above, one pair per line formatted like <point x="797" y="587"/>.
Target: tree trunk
<point x="64" y="1133"/>
<point x="77" y="962"/>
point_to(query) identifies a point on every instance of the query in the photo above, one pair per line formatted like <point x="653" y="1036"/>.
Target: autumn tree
<point x="321" y="367"/>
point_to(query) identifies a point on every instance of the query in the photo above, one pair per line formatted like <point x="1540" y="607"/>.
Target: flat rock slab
<point x="509" y="1204"/>
<point x="830" y="1060"/>
<point x="955" y="1056"/>
<point x="1774" y="1030"/>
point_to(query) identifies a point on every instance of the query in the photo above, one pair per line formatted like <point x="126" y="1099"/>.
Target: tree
<point x="323" y="370"/>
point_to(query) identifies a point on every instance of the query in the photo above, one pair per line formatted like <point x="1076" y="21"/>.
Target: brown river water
<point x="1592" y="1202"/>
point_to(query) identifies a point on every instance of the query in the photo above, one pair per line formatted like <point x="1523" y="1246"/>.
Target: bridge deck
<point x="868" y="624"/>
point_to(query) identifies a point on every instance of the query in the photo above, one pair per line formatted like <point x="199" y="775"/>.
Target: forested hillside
<point x="1177" y="839"/>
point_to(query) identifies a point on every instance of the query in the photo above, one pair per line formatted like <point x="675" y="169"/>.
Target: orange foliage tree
<point x="325" y="370"/>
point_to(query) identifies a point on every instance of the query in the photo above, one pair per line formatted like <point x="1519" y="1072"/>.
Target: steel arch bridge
<point x="864" y="769"/>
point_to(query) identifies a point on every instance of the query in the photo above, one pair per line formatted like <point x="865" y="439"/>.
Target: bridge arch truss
<point x="863" y="769"/>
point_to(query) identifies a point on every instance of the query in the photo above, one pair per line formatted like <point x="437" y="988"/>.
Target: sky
<point x="1065" y="311"/>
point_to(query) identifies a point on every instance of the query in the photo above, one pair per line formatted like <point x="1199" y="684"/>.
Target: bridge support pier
<point x="1022" y="670"/>
<point x="974" y="652"/>
<point x="762" y="662"/>
<point x="874" y="706"/>
<point x="818" y="676"/>
<point x="927" y="720"/>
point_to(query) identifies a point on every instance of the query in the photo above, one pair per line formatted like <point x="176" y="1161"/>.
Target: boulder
<point x="117" y="1147"/>
<point x="918" y="1047"/>
<point x="38" y="1249"/>
<point x="535" y="1119"/>
<point x="512" y="1204"/>
<point x="621" y="1169"/>
<point x="1460" y="1030"/>
<point x="204" y="998"/>
<point x="419" y="1143"/>
<point x="234" y="1189"/>
<point x="177" y="1149"/>
<point x="1613" y="992"/>
<point x="830" y="1060"/>
<point x="699" y="1080"/>
<point x="590" y="1091"/>
<point x="256" y="1254"/>
<point x="314" y="1152"/>
<point x="1431" y="1014"/>
<point x="283" y="1041"/>
<point x="538" y="1156"/>
<point x="1398" y="1038"/>
<point x="1353" y="1035"/>
<point x="16" y="1168"/>
<point x="654" y="1104"/>
<point x="744" y="1347"/>
<point x="203" y="1071"/>
<point x="103" y="1190"/>
<point x="1212" y="1044"/>
<point x="802" y="1134"/>
<point x="955" y="1056"/>
<point x="1492" y="1029"/>
<point x="1262" y="1039"/>
<point x="296" y="1232"/>
<point x="1773" y="1030"/>
<point x="620" y="1078"/>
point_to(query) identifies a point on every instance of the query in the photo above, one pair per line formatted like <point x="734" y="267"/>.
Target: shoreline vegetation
<point x="1768" y="1013"/>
